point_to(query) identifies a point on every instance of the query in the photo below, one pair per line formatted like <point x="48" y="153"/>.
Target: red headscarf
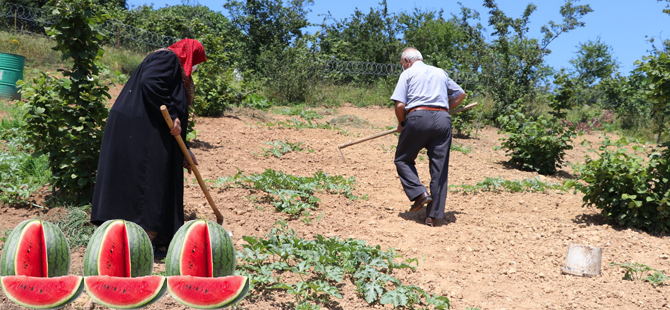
<point x="190" y="53"/>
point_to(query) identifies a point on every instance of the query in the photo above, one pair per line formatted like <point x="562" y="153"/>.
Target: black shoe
<point x="423" y="200"/>
<point x="159" y="253"/>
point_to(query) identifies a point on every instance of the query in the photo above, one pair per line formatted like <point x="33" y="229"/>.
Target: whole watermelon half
<point x="35" y="248"/>
<point x="201" y="249"/>
<point x="119" y="248"/>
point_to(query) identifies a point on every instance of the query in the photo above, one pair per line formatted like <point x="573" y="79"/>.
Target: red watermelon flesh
<point x="31" y="256"/>
<point x="114" y="259"/>
<point x="124" y="292"/>
<point x="196" y="258"/>
<point x="40" y="292"/>
<point x="208" y="293"/>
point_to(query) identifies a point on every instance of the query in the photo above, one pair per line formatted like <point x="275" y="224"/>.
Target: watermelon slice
<point x="208" y="293"/>
<point x="42" y="293"/>
<point x="125" y="292"/>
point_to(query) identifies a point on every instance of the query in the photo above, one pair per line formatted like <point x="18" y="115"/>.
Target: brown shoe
<point x="423" y="200"/>
<point x="430" y="221"/>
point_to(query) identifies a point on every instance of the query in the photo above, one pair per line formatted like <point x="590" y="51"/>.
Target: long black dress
<point x="140" y="171"/>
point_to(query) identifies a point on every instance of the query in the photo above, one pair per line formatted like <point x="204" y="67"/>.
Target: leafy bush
<point x="66" y="116"/>
<point x="535" y="145"/>
<point x="629" y="190"/>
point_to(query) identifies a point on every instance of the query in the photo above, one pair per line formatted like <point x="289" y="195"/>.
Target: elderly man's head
<point x="409" y="56"/>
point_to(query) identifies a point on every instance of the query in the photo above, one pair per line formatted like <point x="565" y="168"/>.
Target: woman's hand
<point x="176" y="127"/>
<point x="187" y="165"/>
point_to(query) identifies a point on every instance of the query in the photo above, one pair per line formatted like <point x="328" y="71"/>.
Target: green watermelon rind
<point x="56" y="245"/>
<point x="223" y="251"/>
<point x="173" y="257"/>
<point x="150" y="300"/>
<point x="233" y="300"/>
<point x="7" y="261"/>
<point x="93" y="249"/>
<point x="141" y="254"/>
<point x="58" y="251"/>
<point x="71" y="298"/>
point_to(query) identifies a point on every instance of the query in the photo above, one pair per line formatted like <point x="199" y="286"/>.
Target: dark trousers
<point x="430" y="130"/>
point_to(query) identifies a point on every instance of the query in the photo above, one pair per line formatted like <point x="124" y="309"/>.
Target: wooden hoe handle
<point x="168" y="120"/>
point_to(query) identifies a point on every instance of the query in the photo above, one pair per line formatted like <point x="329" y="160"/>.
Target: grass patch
<point x="280" y="148"/>
<point x="513" y="186"/>
<point x="38" y="53"/>
<point x="297" y="124"/>
<point x="349" y="121"/>
<point x="319" y="267"/>
<point x="21" y="173"/>
<point x="76" y="227"/>
<point x="359" y="94"/>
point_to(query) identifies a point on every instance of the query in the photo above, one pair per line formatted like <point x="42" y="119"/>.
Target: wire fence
<point x="19" y="18"/>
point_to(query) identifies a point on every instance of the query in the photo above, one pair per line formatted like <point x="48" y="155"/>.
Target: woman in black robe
<point x="140" y="171"/>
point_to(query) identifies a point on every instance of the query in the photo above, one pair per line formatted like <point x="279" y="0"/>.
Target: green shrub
<point x="216" y="89"/>
<point x="629" y="190"/>
<point x="66" y="117"/>
<point x="535" y="145"/>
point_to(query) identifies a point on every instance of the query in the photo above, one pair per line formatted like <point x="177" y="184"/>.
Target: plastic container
<point x="583" y="260"/>
<point x="11" y="70"/>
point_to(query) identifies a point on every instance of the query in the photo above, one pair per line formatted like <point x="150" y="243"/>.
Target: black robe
<point x="140" y="171"/>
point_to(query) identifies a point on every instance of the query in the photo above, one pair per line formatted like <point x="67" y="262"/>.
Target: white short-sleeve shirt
<point x="425" y="85"/>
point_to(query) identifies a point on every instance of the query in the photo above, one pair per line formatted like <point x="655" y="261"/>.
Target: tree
<point x="371" y="37"/>
<point x="594" y="62"/>
<point x="268" y="24"/>
<point x="515" y="61"/>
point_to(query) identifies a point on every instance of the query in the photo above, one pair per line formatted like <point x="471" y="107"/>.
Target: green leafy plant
<point x="66" y="116"/>
<point x="461" y="148"/>
<point x="293" y="194"/>
<point x="535" y="145"/>
<point x="321" y="264"/>
<point x="299" y="110"/>
<point x="216" y="89"/>
<point x="513" y="186"/>
<point x="628" y="189"/>
<point x="641" y="272"/>
<point x="21" y="171"/>
<point x="280" y="148"/>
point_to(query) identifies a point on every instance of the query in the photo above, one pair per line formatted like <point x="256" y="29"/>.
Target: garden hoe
<point x="219" y="217"/>
<point x="390" y="131"/>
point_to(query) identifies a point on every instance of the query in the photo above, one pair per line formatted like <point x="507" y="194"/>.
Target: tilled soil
<point x="492" y="250"/>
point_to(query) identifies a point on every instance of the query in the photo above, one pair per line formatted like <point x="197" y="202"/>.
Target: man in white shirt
<point x="423" y="96"/>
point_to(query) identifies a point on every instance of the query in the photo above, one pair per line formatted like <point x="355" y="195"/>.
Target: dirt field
<point x="492" y="251"/>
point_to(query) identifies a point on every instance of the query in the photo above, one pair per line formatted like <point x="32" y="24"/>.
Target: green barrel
<point x="11" y="70"/>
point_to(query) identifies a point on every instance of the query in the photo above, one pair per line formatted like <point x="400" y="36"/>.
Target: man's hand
<point x="187" y="165"/>
<point x="400" y="114"/>
<point x="176" y="127"/>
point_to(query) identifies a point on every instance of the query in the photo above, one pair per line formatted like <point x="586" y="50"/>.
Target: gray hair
<point x="412" y="54"/>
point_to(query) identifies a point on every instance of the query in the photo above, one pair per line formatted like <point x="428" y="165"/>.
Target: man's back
<point x="424" y="85"/>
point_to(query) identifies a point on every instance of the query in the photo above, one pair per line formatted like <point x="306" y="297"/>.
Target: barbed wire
<point x="360" y="67"/>
<point x="35" y="19"/>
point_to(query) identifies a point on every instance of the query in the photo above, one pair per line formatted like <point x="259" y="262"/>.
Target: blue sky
<point x="624" y="25"/>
